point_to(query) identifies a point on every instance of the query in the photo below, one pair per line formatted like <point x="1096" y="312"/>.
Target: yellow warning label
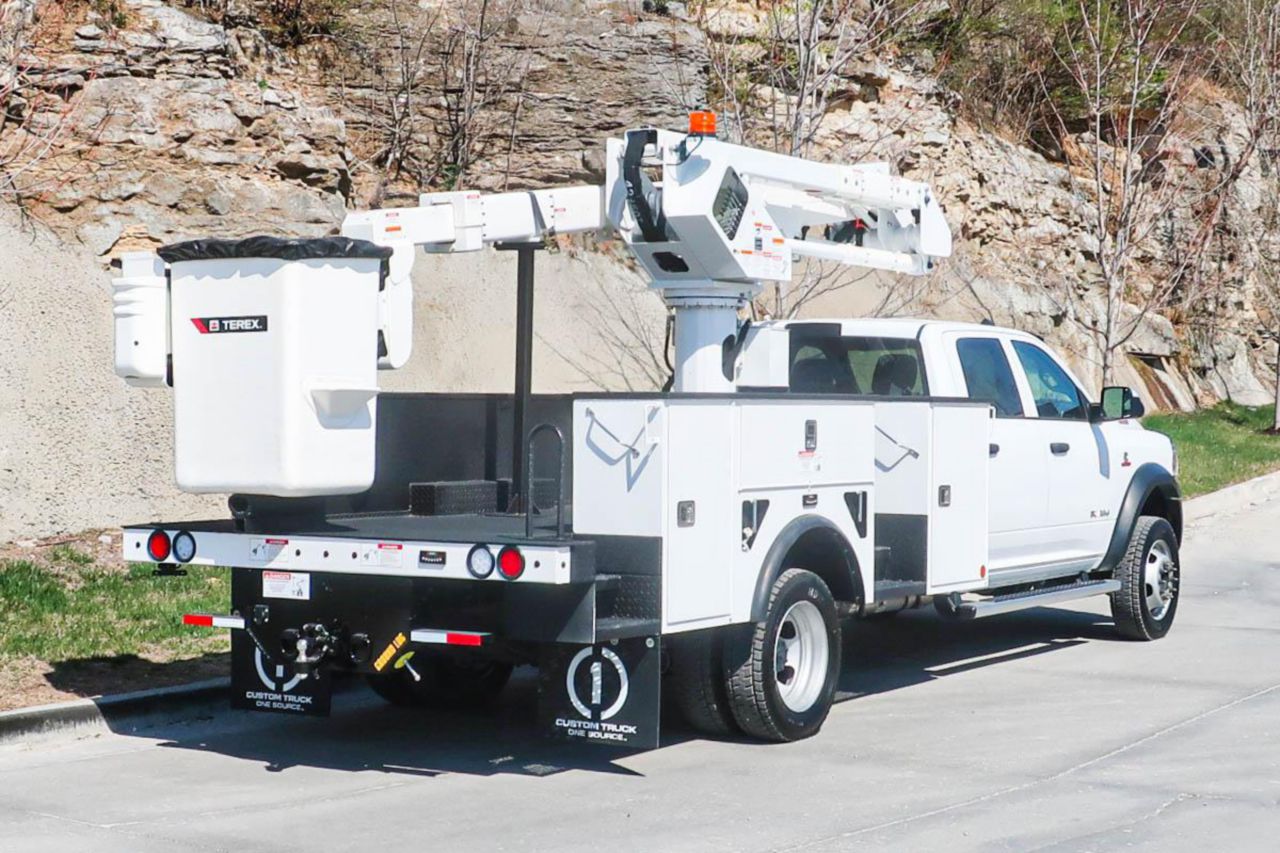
<point x="389" y="652"/>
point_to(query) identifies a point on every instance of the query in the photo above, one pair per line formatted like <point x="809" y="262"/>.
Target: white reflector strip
<point x="449" y="638"/>
<point x="206" y="620"/>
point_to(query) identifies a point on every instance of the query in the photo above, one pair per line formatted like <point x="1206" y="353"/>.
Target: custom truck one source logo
<point x="224" y="325"/>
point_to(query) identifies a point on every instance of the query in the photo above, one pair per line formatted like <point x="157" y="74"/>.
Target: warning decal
<point x="294" y="585"/>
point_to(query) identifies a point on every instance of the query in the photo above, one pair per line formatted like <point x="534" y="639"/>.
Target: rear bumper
<point x="344" y="552"/>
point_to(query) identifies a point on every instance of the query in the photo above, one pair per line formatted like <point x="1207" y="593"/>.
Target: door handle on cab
<point x="993" y="450"/>
<point x="1059" y="448"/>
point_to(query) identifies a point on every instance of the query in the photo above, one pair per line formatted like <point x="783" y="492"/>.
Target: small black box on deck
<point x="453" y="497"/>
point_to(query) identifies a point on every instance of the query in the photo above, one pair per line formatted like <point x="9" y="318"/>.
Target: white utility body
<point x="797" y="472"/>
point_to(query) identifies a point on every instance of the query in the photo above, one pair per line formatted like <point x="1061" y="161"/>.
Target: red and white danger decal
<point x="295" y="585"/>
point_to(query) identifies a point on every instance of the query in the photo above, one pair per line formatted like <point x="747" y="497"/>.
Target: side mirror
<point x="1118" y="402"/>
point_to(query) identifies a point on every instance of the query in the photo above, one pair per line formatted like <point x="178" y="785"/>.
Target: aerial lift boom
<point x="708" y="220"/>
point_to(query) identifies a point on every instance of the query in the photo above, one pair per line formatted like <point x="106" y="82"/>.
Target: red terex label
<point x="222" y="325"/>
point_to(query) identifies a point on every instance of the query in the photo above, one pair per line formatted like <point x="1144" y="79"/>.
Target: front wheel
<point x="1150" y="578"/>
<point x="781" y="673"/>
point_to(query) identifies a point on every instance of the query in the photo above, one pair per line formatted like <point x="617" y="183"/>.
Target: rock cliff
<point x="171" y="119"/>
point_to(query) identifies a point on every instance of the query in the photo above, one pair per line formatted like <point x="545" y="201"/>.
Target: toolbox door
<point x="701" y="527"/>
<point x="958" y="498"/>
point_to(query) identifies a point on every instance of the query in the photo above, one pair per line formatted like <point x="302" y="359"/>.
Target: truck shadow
<point x="364" y="734"/>
<point x="913" y="647"/>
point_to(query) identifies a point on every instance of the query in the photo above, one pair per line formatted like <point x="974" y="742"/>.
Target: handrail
<point x="529" y="480"/>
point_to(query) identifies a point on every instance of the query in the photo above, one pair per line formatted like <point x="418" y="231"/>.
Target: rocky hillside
<point x="131" y="123"/>
<point x="171" y="119"/>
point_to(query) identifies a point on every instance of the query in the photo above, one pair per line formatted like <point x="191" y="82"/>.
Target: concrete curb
<point x="1231" y="499"/>
<point x="46" y="719"/>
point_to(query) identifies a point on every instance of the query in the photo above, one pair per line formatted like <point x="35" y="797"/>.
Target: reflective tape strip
<point x="449" y="638"/>
<point x="208" y="620"/>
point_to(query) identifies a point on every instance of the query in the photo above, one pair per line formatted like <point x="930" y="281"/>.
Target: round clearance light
<point x="480" y="561"/>
<point x="158" y="545"/>
<point x="510" y="562"/>
<point x="184" y="547"/>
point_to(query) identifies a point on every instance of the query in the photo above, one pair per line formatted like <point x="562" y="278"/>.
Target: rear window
<point x="823" y="363"/>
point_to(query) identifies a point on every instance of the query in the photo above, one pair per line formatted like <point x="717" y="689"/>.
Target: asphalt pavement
<point x="1031" y="731"/>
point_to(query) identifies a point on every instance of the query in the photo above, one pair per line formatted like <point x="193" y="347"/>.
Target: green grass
<point x="72" y="609"/>
<point x="1220" y="446"/>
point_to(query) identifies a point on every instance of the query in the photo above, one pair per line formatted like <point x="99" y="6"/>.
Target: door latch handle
<point x="1058" y="448"/>
<point x="993" y="450"/>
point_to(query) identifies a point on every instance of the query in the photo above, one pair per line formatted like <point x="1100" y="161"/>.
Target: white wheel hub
<point x="801" y="656"/>
<point x="1159" y="579"/>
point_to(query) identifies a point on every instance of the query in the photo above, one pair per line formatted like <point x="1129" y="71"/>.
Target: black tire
<point x="1130" y="605"/>
<point x="697" y="682"/>
<point x="447" y="682"/>
<point x="751" y="660"/>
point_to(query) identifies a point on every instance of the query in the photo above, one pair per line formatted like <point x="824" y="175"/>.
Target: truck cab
<point x="1060" y="466"/>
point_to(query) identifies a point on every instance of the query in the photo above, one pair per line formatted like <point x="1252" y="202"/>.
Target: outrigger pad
<point x="606" y="693"/>
<point x="258" y="684"/>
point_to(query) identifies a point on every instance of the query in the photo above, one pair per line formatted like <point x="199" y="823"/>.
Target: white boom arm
<point x="707" y="219"/>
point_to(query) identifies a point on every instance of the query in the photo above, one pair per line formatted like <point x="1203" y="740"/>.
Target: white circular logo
<point x="597" y="683"/>
<point x="278" y="684"/>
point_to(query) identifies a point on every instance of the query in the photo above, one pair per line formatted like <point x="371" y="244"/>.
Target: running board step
<point x="1034" y="598"/>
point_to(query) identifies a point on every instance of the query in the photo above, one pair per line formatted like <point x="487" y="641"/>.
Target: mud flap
<point x="604" y="694"/>
<point x="259" y="684"/>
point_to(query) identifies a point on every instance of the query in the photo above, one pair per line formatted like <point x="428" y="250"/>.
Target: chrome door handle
<point x="1059" y="448"/>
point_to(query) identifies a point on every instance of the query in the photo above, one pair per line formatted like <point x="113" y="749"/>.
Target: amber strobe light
<point x="702" y="123"/>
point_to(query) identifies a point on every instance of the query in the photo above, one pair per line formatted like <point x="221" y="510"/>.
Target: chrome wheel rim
<point x="1159" y="579"/>
<point x="801" y="656"/>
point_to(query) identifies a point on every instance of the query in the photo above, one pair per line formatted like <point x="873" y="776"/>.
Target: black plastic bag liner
<point x="273" y="247"/>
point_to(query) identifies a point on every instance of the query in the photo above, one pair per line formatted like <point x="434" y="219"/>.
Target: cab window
<point x="1055" y="395"/>
<point x="988" y="376"/>
<point x="832" y="364"/>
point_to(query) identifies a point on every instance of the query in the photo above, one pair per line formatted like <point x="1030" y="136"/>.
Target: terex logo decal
<point x="222" y="325"/>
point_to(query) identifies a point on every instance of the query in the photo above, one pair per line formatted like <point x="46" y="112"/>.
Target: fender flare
<point x="774" y="560"/>
<point x="1149" y="479"/>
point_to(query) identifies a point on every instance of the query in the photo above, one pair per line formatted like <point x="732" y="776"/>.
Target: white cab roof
<point x="904" y="327"/>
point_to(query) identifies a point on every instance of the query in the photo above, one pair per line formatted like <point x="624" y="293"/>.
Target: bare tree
<point x="36" y="112"/>
<point x="1251" y="54"/>
<point x="476" y="76"/>
<point x="399" y="117"/>
<point x="630" y="346"/>
<point x="1130" y="72"/>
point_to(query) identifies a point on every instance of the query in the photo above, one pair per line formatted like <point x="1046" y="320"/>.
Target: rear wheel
<point x="1150" y="578"/>
<point x="781" y="673"/>
<point x="697" y="682"/>
<point x="446" y="682"/>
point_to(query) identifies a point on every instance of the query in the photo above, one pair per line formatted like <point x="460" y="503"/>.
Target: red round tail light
<point x="510" y="562"/>
<point x="158" y="546"/>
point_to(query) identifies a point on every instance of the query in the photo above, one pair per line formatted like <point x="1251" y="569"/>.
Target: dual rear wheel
<point x="774" y="680"/>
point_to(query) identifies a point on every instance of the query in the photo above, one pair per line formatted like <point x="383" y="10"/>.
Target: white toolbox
<point x="274" y="365"/>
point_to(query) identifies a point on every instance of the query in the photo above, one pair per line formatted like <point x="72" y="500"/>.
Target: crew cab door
<point x="1018" y="472"/>
<point x="1078" y="519"/>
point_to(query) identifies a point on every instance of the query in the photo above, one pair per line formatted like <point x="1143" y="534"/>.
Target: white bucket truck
<point x="707" y="540"/>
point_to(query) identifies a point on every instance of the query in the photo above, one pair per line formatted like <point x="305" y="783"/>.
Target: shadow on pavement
<point x="366" y="735"/>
